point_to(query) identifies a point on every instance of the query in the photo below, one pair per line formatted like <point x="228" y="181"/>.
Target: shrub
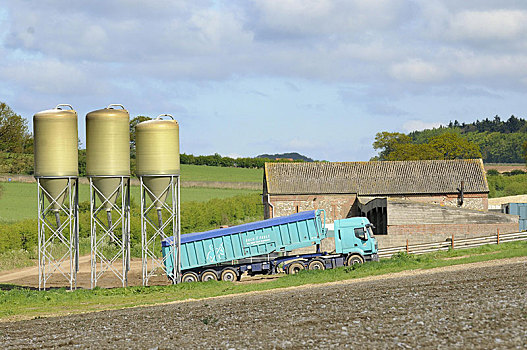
<point x="492" y="172"/>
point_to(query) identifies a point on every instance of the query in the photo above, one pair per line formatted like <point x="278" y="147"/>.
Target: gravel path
<point x="482" y="306"/>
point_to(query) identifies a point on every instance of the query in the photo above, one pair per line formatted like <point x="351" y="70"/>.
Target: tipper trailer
<point x="266" y="247"/>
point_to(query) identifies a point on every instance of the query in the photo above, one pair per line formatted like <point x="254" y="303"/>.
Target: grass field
<point x="19" y="199"/>
<point x="216" y="173"/>
<point x="23" y="303"/>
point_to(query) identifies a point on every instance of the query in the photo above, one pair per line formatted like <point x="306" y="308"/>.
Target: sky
<point x="318" y="77"/>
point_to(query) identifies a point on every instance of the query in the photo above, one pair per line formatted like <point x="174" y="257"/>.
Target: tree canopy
<point x="499" y="141"/>
<point x="14" y="134"/>
<point x="453" y="146"/>
<point x="389" y="142"/>
<point x="133" y="124"/>
<point x="397" y="146"/>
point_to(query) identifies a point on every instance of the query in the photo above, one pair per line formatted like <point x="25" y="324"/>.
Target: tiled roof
<point x="377" y="178"/>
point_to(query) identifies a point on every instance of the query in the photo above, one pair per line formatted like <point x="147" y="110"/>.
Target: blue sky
<point x="266" y="76"/>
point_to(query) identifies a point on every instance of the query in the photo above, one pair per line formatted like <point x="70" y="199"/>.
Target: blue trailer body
<point x="265" y="247"/>
<point x="248" y="240"/>
<point x="519" y="209"/>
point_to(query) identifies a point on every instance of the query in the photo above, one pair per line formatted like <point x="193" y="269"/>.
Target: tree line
<point x="511" y="125"/>
<point x="495" y="141"/>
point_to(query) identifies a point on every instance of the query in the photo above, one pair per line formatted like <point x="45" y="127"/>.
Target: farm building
<point x="423" y="201"/>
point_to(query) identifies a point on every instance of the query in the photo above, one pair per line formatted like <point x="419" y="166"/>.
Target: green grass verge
<point x="19" y="199"/>
<point x="23" y="303"/>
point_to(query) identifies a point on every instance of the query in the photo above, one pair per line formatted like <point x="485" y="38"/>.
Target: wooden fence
<point x="453" y="243"/>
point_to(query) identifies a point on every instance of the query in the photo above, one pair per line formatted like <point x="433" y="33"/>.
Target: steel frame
<point x="54" y="236"/>
<point x="103" y="233"/>
<point x="152" y="234"/>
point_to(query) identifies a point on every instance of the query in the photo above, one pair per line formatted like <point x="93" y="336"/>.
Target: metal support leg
<point x="57" y="230"/>
<point x="154" y="229"/>
<point x="107" y="247"/>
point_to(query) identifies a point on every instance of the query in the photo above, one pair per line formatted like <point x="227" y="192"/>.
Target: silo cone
<point x="108" y="151"/>
<point x="106" y="186"/>
<point x="55" y="152"/>
<point x="157" y="185"/>
<point x="54" y="192"/>
<point x="157" y="153"/>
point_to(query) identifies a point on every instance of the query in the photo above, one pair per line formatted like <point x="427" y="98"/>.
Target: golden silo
<point x="55" y="150"/>
<point x="157" y="153"/>
<point x="108" y="150"/>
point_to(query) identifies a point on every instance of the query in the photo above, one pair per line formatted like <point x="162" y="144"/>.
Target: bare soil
<point x="481" y="306"/>
<point x="28" y="277"/>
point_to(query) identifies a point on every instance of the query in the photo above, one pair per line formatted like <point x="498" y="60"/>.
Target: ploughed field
<point x="482" y="305"/>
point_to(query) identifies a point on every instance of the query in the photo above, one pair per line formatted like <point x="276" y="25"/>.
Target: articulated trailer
<point x="265" y="247"/>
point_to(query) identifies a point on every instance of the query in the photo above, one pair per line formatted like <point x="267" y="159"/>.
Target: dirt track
<point x="480" y="306"/>
<point x="28" y="277"/>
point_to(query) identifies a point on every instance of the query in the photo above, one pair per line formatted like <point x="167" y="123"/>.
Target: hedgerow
<point x="195" y="217"/>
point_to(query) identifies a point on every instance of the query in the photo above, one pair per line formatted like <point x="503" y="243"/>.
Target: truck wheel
<point x="229" y="274"/>
<point x="354" y="259"/>
<point x="209" y="275"/>
<point x="316" y="265"/>
<point x="295" y="268"/>
<point x="189" y="277"/>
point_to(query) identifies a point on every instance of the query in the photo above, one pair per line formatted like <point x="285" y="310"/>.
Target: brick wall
<point x="340" y="206"/>
<point x="336" y="206"/>
<point x="477" y="201"/>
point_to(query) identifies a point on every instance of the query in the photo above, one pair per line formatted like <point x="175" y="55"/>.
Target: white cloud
<point x="489" y="25"/>
<point x="50" y="77"/>
<point x="418" y="125"/>
<point x="376" y="59"/>
<point x="418" y="71"/>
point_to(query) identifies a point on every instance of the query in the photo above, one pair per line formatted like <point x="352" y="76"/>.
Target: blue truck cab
<point x="267" y="247"/>
<point x="355" y="236"/>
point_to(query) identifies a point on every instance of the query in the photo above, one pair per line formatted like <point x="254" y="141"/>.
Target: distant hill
<point x="292" y="155"/>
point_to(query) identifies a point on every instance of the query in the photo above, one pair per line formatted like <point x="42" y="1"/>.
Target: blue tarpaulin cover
<point x="198" y="236"/>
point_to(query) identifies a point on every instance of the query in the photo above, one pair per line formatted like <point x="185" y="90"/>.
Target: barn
<point x="422" y="200"/>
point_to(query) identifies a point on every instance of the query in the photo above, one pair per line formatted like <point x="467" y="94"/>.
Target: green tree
<point x="525" y="151"/>
<point x="82" y="162"/>
<point x="410" y="151"/>
<point x="133" y="124"/>
<point x="387" y="142"/>
<point x="453" y="146"/>
<point x="13" y="130"/>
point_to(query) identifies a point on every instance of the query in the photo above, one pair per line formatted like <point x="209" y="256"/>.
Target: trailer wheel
<point x="316" y="265"/>
<point x="295" y="268"/>
<point x="229" y="274"/>
<point x="209" y="275"/>
<point x="189" y="277"/>
<point x="354" y="259"/>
